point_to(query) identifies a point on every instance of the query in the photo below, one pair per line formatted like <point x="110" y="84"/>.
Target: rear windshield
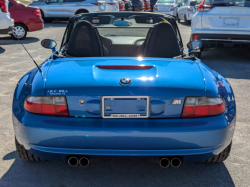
<point x="239" y="3"/>
<point x="165" y="1"/>
<point x="194" y="3"/>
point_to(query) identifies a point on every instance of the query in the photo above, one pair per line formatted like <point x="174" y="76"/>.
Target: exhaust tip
<point x="164" y="162"/>
<point x="73" y="161"/>
<point x="84" y="162"/>
<point x="175" y="162"/>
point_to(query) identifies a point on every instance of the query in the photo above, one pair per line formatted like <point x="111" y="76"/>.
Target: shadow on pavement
<point x="56" y="24"/>
<point x="116" y="172"/>
<point x="2" y="50"/>
<point x="8" y="40"/>
<point x="225" y="60"/>
<point x="187" y="25"/>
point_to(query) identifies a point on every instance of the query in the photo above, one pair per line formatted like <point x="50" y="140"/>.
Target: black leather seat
<point x="161" y="42"/>
<point x="85" y="41"/>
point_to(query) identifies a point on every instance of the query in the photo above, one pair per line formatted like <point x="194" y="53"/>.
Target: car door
<point x="224" y="15"/>
<point x="54" y="9"/>
<point x="179" y="4"/>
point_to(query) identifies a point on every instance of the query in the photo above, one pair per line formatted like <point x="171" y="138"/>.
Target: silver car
<point x="60" y="9"/>
<point x="166" y="7"/>
<point x="187" y="9"/>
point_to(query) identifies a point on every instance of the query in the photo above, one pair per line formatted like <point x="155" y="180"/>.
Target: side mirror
<point x="194" y="46"/>
<point x="49" y="44"/>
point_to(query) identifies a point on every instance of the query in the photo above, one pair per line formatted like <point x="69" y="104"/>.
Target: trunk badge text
<point x="125" y="81"/>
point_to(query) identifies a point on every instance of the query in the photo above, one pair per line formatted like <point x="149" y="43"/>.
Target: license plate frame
<point x="231" y="21"/>
<point x="126" y="115"/>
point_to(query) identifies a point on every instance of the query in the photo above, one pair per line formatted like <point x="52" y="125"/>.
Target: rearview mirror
<point x="49" y="44"/>
<point x="194" y="45"/>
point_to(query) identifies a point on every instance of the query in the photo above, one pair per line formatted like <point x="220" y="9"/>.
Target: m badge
<point x="174" y="102"/>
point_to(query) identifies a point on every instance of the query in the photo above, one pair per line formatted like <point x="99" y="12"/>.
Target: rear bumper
<point x="223" y="40"/>
<point x="35" y="26"/>
<point x="54" y="138"/>
<point x="7" y="31"/>
<point x="172" y="13"/>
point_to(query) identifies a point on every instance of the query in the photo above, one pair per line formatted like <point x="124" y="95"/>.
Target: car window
<point x="10" y="4"/>
<point x="194" y="3"/>
<point x="239" y="3"/>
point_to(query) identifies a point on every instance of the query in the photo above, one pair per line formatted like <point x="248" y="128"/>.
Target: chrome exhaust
<point x="84" y="162"/>
<point x="175" y="162"/>
<point x="73" y="161"/>
<point x="164" y="162"/>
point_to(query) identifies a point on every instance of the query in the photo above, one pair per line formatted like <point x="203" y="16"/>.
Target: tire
<point x="19" y="32"/>
<point x="81" y="12"/>
<point x="222" y="156"/>
<point x="178" y="19"/>
<point x="24" y="154"/>
<point x="197" y="54"/>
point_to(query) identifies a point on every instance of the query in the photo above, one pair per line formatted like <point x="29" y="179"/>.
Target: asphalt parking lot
<point x="235" y="171"/>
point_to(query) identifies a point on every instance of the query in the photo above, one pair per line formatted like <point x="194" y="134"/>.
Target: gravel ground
<point x="235" y="171"/>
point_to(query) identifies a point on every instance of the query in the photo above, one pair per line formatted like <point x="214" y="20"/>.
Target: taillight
<point x="139" y="2"/>
<point x="195" y="37"/>
<point x="37" y="13"/>
<point x="97" y="4"/>
<point x="202" y="107"/>
<point x="173" y="8"/>
<point x="127" y="67"/>
<point x="204" y="8"/>
<point x="3" y="6"/>
<point x="48" y="105"/>
<point x="189" y="8"/>
<point x="111" y="3"/>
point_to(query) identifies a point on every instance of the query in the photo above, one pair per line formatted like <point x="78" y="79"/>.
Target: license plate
<point x="125" y="106"/>
<point x="231" y="22"/>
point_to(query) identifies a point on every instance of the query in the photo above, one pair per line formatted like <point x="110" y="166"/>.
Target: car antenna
<point x="30" y="56"/>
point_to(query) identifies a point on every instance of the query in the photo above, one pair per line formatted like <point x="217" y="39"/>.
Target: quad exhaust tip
<point x="73" y="161"/>
<point x="84" y="162"/>
<point x="174" y="162"/>
<point x="164" y="162"/>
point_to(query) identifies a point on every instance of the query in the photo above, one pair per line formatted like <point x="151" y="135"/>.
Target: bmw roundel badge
<point x="125" y="81"/>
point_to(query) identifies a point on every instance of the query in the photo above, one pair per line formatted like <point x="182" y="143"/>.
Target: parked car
<point x="186" y="10"/>
<point x="125" y="5"/>
<point x="222" y="23"/>
<point x="166" y="7"/>
<point x="64" y="9"/>
<point x="26" y="18"/>
<point x="137" y="5"/>
<point x="112" y="5"/>
<point x="6" y="23"/>
<point x="147" y="7"/>
<point x="112" y="89"/>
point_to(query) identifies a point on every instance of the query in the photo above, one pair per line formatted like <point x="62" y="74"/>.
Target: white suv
<point x="6" y="23"/>
<point x="222" y="23"/>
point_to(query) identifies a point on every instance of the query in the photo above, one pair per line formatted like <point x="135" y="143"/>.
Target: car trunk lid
<point x="166" y="82"/>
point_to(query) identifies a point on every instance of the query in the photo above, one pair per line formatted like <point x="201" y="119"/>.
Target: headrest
<point x="84" y="41"/>
<point x="161" y="41"/>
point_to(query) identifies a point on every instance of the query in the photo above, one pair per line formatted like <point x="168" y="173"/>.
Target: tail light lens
<point x="111" y="3"/>
<point x="189" y="9"/>
<point x="195" y="37"/>
<point x="97" y="4"/>
<point x="47" y="105"/>
<point x="37" y="13"/>
<point x="3" y="6"/>
<point x="202" y="107"/>
<point x="173" y="8"/>
<point x="204" y="8"/>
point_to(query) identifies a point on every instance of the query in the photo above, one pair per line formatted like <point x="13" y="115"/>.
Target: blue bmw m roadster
<point x="121" y="84"/>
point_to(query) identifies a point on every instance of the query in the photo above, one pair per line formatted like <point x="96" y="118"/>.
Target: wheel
<point x="178" y="19"/>
<point x="19" y="32"/>
<point x="185" y="20"/>
<point x="222" y="156"/>
<point x="24" y="154"/>
<point x="197" y="54"/>
<point x="81" y="12"/>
